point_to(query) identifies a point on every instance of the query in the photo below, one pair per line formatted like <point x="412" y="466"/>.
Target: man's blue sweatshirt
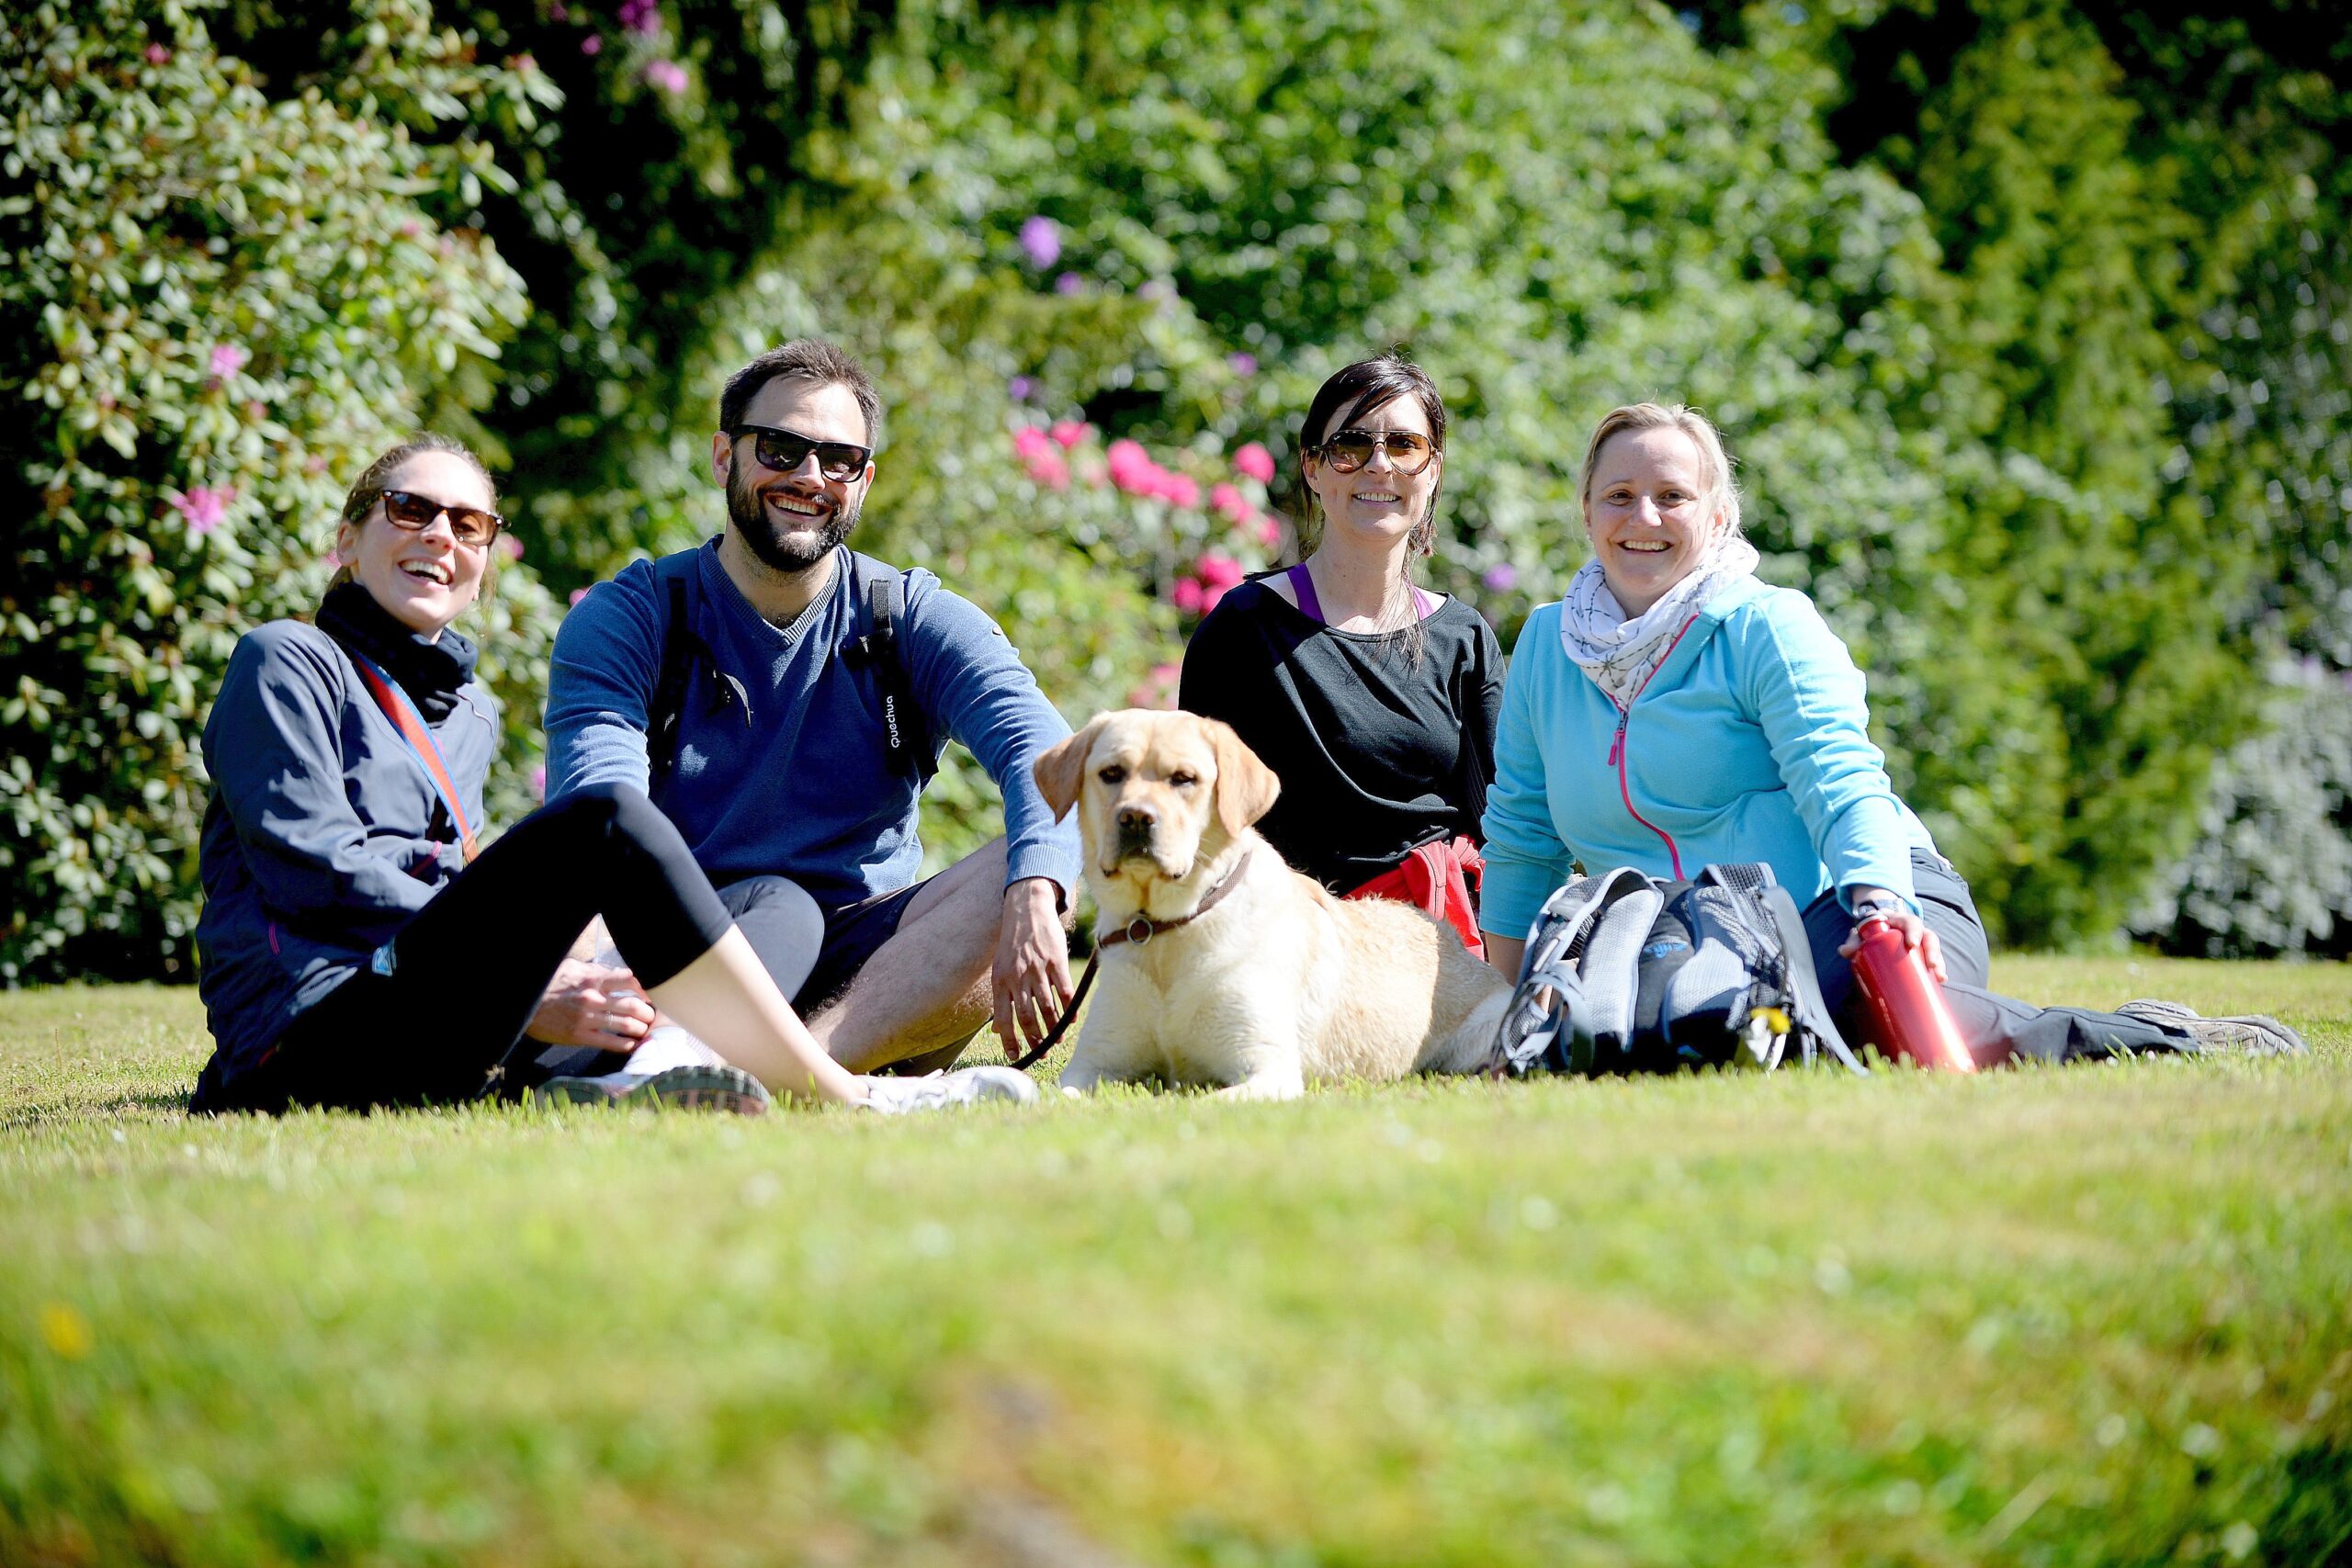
<point x="796" y="782"/>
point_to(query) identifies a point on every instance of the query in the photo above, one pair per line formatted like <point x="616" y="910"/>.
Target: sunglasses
<point x="469" y="524"/>
<point x="1408" y="451"/>
<point x="783" y="451"/>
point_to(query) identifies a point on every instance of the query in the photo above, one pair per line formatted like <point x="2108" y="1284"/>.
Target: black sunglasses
<point x="1408" y="451"/>
<point x="470" y="525"/>
<point x="782" y="451"/>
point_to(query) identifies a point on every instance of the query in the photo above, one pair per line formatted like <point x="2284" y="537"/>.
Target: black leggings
<point x="469" y="970"/>
<point x="1997" y="1028"/>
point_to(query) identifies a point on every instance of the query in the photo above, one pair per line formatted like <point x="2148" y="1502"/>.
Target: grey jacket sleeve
<point x="273" y="746"/>
<point x="970" y="681"/>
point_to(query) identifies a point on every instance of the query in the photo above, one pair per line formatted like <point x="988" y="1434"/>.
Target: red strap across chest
<point x="420" y="745"/>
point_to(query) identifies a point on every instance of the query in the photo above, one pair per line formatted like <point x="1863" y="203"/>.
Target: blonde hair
<point x="376" y="477"/>
<point x="1713" y="462"/>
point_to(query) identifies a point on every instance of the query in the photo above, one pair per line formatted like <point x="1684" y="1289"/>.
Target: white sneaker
<point x="965" y="1085"/>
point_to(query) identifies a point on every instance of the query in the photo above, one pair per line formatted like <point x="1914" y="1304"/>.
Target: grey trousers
<point x="1997" y="1028"/>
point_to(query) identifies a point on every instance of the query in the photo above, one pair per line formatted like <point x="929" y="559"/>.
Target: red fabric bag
<point x="1436" y="879"/>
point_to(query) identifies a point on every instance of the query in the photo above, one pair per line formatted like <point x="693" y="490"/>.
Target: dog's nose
<point x="1136" y="823"/>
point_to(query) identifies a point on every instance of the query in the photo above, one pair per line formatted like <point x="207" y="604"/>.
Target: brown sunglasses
<point x="469" y="524"/>
<point x="1408" y="451"/>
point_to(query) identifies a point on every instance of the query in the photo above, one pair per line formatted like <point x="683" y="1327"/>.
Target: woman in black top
<point x="1373" y="699"/>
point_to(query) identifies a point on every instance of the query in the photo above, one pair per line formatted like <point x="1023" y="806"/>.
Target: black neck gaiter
<point x="430" y="673"/>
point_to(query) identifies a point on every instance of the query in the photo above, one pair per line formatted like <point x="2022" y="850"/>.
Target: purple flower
<point x="1020" y="388"/>
<point x="1500" y="578"/>
<point x="1041" y="241"/>
<point x="591" y="44"/>
<point x="1243" y="362"/>
<point x="1069" y="283"/>
<point x="203" y="507"/>
<point x="667" y="74"/>
<point x="228" y="359"/>
<point x="640" y="17"/>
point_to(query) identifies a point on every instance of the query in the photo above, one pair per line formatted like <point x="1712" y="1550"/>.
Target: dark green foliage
<point x="2024" y="318"/>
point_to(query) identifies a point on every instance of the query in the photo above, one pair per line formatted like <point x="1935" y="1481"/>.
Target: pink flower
<point x="1181" y="489"/>
<point x="511" y="546"/>
<point x="203" y="507"/>
<point x="1270" y="530"/>
<point x="523" y="62"/>
<point x="1187" y="595"/>
<point x="1031" y="442"/>
<point x="1069" y="283"/>
<point x="1209" y="598"/>
<point x="1255" y="461"/>
<point x="540" y="782"/>
<point x="1500" y="578"/>
<point x="577" y="594"/>
<point x="1049" y="467"/>
<point x="228" y="359"/>
<point x="591" y="44"/>
<point x="668" y="75"/>
<point x="1229" y="503"/>
<point x="1041" y="241"/>
<point x="1219" y="571"/>
<point x="1242" y="362"/>
<point x="1159" y="689"/>
<point x="157" y="55"/>
<point x="1131" y="468"/>
<point x="640" y="17"/>
<point x="1070" y="432"/>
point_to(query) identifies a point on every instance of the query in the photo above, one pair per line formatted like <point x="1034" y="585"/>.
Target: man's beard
<point x="771" y="542"/>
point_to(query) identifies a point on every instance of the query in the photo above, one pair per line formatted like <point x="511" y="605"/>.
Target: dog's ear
<point x="1060" y="771"/>
<point x="1246" y="787"/>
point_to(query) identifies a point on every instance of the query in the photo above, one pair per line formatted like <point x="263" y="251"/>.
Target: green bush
<point x="2018" y="313"/>
<point x="217" y="305"/>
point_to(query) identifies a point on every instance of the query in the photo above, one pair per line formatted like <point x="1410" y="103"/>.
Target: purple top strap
<point x="1303" y="585"/>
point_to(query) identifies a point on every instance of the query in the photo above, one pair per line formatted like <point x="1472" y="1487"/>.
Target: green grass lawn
<point x="2087" y="1317"/>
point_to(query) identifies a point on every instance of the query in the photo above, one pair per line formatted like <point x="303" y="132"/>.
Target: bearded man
<point x="744" y="685"/>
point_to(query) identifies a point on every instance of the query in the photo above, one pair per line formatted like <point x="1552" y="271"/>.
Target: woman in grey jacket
<point x="354" y="950"/>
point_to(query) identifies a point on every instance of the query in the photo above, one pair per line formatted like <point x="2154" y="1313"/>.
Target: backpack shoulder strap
<point x="1784" y="924"/>
<point x="680" y="647"/>
<point x="880" y="591"/>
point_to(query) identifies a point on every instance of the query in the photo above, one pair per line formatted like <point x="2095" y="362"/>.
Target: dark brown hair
<point x="819" y="361"/>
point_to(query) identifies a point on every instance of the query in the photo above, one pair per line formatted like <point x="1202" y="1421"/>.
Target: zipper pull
<point x="1617" y="746"/>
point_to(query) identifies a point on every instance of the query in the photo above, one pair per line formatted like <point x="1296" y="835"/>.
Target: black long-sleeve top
<point x="1378" y="751"/>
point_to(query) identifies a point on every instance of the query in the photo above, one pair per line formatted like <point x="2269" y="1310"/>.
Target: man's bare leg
<point x="928" y="987"/>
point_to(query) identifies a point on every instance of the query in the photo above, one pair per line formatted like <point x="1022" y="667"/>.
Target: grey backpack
<point x="1628" y="973"/>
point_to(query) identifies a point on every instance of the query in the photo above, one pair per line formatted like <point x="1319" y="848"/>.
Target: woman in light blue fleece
<point x="1672" y="711"/>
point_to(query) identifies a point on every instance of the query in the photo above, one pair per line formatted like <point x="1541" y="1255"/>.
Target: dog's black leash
<point x="1137" y="931"/>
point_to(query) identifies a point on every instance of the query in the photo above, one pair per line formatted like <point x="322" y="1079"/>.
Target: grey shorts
<point x="813" y="952"/>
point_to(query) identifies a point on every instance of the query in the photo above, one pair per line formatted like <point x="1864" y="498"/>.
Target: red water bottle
<point x="1904" y="1000"/>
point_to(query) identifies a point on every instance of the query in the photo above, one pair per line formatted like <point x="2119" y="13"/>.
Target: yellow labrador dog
<point x="1221" y="966"/>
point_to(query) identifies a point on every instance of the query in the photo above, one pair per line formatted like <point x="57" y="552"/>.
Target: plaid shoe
<point x="2249" y="1032"/>
<point x="694" y="1087"/>
<point x="967" y="1086"/>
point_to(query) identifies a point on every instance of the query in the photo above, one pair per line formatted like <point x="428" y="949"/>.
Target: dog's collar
<point x="1142" y="929"/>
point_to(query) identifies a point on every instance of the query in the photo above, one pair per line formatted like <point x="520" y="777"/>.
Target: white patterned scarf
<point x="1622" y="655"/>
